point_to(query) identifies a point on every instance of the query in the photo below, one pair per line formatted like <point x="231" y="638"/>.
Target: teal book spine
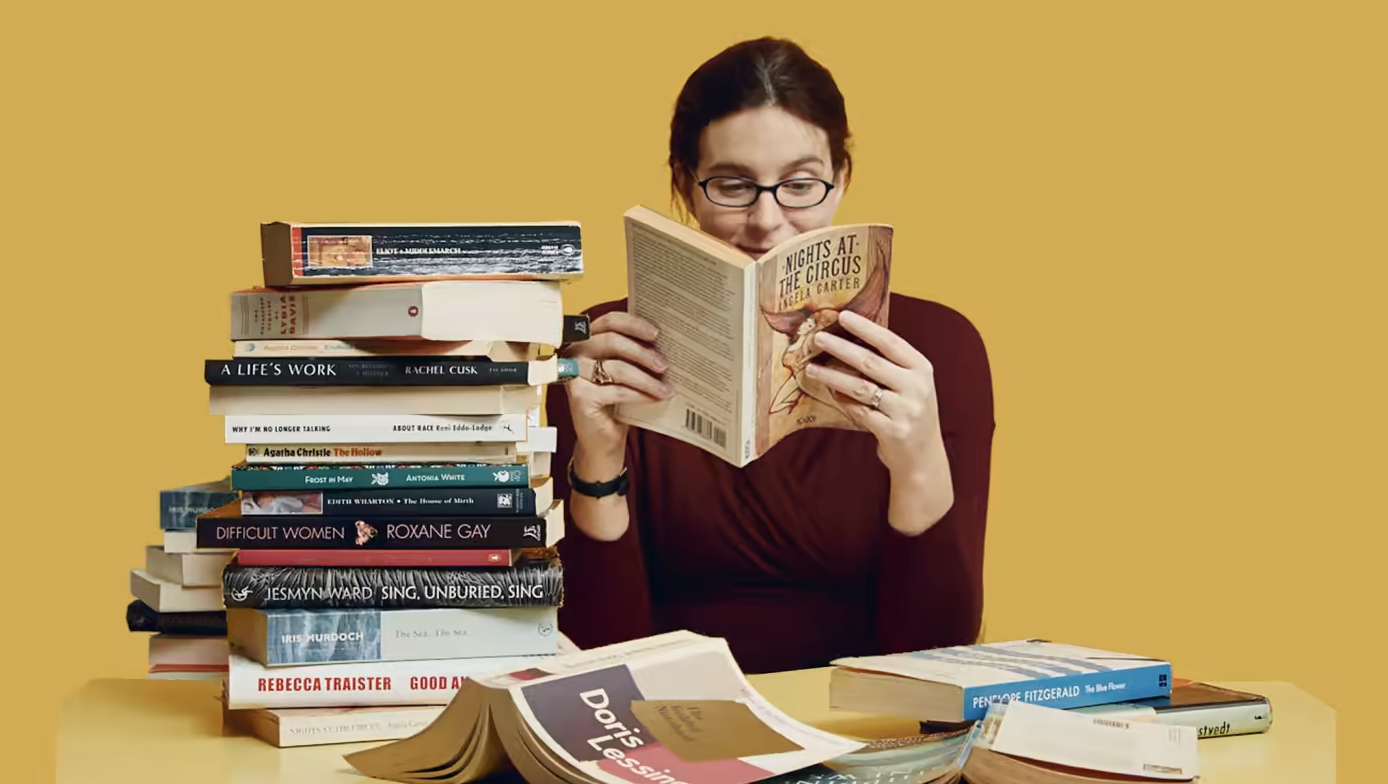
<point x="246" y="477"/>
<point x="180" y="508"/>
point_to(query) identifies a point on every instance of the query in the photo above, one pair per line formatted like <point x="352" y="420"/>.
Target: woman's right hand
<point x="619" y="344"/>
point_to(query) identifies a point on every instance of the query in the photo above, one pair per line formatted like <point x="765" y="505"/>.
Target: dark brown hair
<point x="749" y="75"/>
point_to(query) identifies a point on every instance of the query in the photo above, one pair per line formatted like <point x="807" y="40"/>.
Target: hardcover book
<point x="404" y="501"/>
<point x="246" y="476"/>
<point x="307" y="254"/>
<point x="385" y="371"/>
<point x="229" y="528"/>
<point x="374" y="428"/>
<point x="738" y="332"/>
<point x="1212" y="711"/>
<point x="408" y="559"/>
<point x="531" y="583"/>
<point x="957" y="684"/>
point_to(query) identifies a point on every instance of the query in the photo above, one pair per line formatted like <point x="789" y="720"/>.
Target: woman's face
<point x="766" y="145"/>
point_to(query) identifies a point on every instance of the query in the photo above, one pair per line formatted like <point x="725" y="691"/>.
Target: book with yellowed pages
<point x="739" y="332"/>
<point x="671" y="707"/>
<point x="675" y="707"/>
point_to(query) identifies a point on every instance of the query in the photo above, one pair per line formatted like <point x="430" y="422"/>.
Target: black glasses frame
<point x="772" y="189"/>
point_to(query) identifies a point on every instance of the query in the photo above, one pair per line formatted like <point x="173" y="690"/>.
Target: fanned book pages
<point x="739" y="332"/>
<point x="673" y="707"/>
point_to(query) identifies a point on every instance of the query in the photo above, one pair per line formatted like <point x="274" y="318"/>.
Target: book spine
<point x="324" y="636"/>
<point x="179" y="509"/>
<point x="353" y="371"/>
<point x="296" y="532"/>
<point x="576" y="329"/>
<point x="269" y="587"/>
<point x="309" y="477"/>
<point x="1221" y="721"/>
<point x="385" y="347"/>
<point x="300" y="728"/>
<point x="406" y="501"/>
<point x="140" y="617"/>
<point x="374" y="428"/>
<point x="342" y="685"/>
<point x="300" y="254"/>
<point x="1073" y="691"/>
<point x="297" y="454"/>
<point x="457" y="559"/>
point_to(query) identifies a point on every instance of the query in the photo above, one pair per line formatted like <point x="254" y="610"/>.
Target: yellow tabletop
<point x="170" y="732"/>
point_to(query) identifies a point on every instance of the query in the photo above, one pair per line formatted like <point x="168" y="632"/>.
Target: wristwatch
<point x="599" y="489"/>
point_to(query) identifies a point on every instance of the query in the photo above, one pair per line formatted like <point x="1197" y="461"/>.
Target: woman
<point x="835" y="542"/>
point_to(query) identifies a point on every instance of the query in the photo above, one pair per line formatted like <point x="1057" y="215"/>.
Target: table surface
<point x="170" y="732"/>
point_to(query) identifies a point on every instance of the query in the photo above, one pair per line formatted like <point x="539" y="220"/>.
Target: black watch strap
<point x="599" y="489"/>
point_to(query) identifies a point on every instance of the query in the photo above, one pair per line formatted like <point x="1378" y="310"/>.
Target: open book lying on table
<point x="669" y="708"/>
<point x="676" y="709"/>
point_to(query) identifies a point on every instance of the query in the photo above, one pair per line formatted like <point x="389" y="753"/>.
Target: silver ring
<point x="876" y="399"/>
<point x="600" y="375"/>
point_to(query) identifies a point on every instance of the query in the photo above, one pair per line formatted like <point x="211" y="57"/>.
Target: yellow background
<point x="1166" y="218"/>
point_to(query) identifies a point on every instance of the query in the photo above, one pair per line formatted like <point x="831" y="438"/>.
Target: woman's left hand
<point x="894" y="398"/>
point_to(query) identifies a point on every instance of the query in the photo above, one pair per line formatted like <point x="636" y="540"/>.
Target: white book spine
<point x="375" y="428"/>
<point x="346" y="685"/>
<point x="298" y="638"/>
<point x="354" y="726"/>
<point x="356" y="454"/>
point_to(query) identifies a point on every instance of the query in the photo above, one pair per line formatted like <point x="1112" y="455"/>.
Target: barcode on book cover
<point x="705" y="427"/>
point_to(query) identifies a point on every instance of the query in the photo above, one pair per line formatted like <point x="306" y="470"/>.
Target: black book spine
<point x="285" y="587"/>
<point x="313" y="532"/>
<point x="140" y="617"/>
<point x="422" y="501"/>
<point x="576" y="329"/>
<point x="356" y="371"/>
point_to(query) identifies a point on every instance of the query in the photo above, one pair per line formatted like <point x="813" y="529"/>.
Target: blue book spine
<point x="1074" y="691"/>
<point x="323" y="636"/>
<point x="179" y="509"/>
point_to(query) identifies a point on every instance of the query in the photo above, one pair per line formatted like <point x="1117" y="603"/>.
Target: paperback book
<point x="738" y="332"/>
<point x="958" y="684"/>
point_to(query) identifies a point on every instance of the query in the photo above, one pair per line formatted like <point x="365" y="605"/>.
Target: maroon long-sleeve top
<point x="792" y="559"/>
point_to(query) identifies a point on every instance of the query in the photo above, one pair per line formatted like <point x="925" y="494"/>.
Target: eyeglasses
<point x="794" y="194"/>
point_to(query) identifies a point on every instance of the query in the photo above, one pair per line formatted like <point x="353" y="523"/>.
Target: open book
<point x="673" y="707"/>
<point x="738" y="332"/>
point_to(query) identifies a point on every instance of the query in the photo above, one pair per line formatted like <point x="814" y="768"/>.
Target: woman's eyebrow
<point x="728" y="167"/>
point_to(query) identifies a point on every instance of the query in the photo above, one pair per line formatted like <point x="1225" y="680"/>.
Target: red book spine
<point x="402" y="558"/>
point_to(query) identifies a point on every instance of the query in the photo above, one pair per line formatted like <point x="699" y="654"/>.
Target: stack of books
<point x="394" y="529"/>
<point x="178" y="593"/>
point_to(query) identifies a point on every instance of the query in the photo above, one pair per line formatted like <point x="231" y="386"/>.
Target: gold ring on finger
<point x="876" y="399"/>
<point x="600" y="375"/>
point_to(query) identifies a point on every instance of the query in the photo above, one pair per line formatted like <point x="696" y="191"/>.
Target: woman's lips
<point x="755" y="253"/>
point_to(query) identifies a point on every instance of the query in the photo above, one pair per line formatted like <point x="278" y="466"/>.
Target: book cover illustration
<point x="179" y="508"/>
<point x="297" y="254"/>
<point x="801" y="293"/>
